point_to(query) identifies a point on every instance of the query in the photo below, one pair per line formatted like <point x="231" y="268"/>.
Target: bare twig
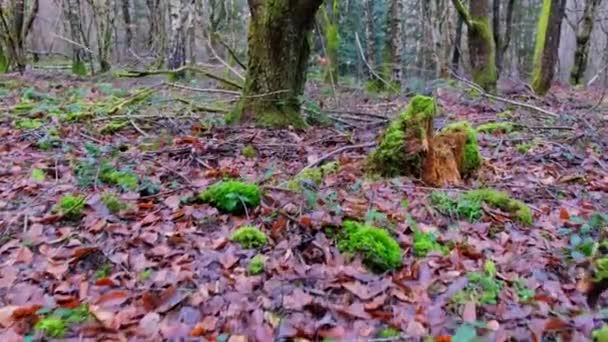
<point x="203" y="90"/>
<point x="370" y="67"/>
<point x="223" y="61"/>
<point x="502" y="99"/>
<point x="338" y="151"/>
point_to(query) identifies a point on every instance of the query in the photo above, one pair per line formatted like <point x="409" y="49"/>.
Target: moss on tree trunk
<point x="279" y="49"/>
<point x="482" y="48"/>
<point x="547" y="45"/>
<point x="581" y="54"/>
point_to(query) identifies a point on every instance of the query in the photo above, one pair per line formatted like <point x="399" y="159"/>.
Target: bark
<point x="395" y="43"/>
<point x="279" y="50"/>
<point x="457" y="44"/>
<point x="176" y="56"/>
<point x="369" y="34"/>
<point x="72" y="12"/>
<point x="126" y="16"/>
<point x="482" y="49"/>
<point x="583" y="35"/>
<point x="547" y="45"/>
<point x="502" y="42"/>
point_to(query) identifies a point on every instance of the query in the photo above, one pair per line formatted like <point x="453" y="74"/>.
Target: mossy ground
<point x="496" y="127"/>
<point x="249" y="237"/>
<point x="379" y="249"/>
<point x="232" y="196"/>
<point x="312" y="177"/>
<point x="70" y="206"/>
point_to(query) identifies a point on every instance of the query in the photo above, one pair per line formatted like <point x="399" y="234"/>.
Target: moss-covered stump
<point x="403" y="145"/>
<point x="408" y="148"/>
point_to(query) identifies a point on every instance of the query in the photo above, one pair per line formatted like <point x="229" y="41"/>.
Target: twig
<point x="370" y="67"/>
<point x="568" y="128"/>
<point x="223" y="61"/>
<point x="502" y="99"/>
<point x="338" y="151"/>
<point x="231" y="52"/>
<point x="201" y="108"/>
<point x="204" y="90"/>
<point x="141" y="131"/>
<point x="331" y="67"/>
<point x="373" y="115"/>
<point x="137" y="73"/>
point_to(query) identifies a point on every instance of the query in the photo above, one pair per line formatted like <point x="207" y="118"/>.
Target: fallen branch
<point x="198" y="108"/>
<point x="567" y="128"/>
<point x="502" y="99"/>
<point x="144" y="73"/>
<point x="338" y="151"/>
<point x="379" y="116"/>
<point x="203" y="90"/>
<point x="223" y="61"/>
<point x="137" y="97"/>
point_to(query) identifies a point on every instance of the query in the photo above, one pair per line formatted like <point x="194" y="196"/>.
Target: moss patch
<point x="472" y="158"/>
<point x="483" y="287"/>
<point x="496" y="127"/>
<point x="248" y="151"/>
<point x="249" y="237"/>
<point x="57" y="322"/>
<point x="232" y="196"/>
<point x="312" y="176"/>
<point x="113" y="203"/>
<point x="379" y="249"/>
<point x="256" y="265"/>
<point x="424" y="243"/>
<point x="502" y="201"/>
<point x="70" y="206"/>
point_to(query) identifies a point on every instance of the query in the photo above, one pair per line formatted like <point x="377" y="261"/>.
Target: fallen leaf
<point x="112" y="298"/>
<point x="149" y="324"/>
<point x="6" y="315"/>
<point x="563" y="214"/>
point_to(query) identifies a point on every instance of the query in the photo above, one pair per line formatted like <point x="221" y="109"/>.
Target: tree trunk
<point x="176" y="56"/>
<point x="395" y="44"/>
<point x="482" y="49"/>
<point x="581" y="54"/>
<point x="78" y="54"/>
<point x="369" y="35"/>
<point x="332" y="41"/>
<point x="126" y="16"/>
<point x="547" y="45"/>
<point x="279" y="49"/>
<point x="457" y="44"/>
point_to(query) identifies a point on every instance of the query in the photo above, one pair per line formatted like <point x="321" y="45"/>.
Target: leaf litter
<point x="163" y="266"/>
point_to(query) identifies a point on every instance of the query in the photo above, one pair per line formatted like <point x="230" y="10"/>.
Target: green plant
<point x="601" y="334"/>
<point x="524" y="293"/>
<point x="114" y="126"/>
<point x="459" y="207"/>
<point x="57" y="321"/>
<point x="311" y="178"/>
<point x="232" y="196"/>
<point x="501" y="200"/>
<point x="70" y="206"/>
<point x="112" y="202"/>
<point x="496" y="127"/>
<point x="51" y="326"/>
<point x="424" y="243"/>
<point x="38" y="175"/>
<point x="145" y="274"/>
<point x="483" y="287"/>
<point x="125" y="179"/>
<point x="388" y="333"/>
<point x="524" y="147"/>
<point x="379" y="249"/>
<point x="104" y="271"/>
<point x="256" y="265"/>
<point x="249" y="237"/>
<point x="248" y="151"/>
<point x="28" y="124"/>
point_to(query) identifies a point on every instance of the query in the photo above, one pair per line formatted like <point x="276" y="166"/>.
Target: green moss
<point x="70" y="206"/>
<point x="248" y="151"/>
<point x="601" y="334"/>
<point x="483" y="287"/>
<point x="391" y="158"/>
<point x="114" y="126"/>
<point x="4" y="62"/>
<point x="424" y="243"/>
<point x="112" y="202"/>
<point x="388" y="333"/>
<point x="125" y="179"/>
<point x="256" y="265"/>
<point x="496" y="127"/>
<point x="538" y="85"/>
<point x="379" y="249"/>
<point x="28" y="124"/>
<point x="485" y="73"/>
<point x="38" y="175"/>
<point x="249" y="237"/>
<point x="459" y="207"/>
<point x="232" y="196"/>
<point x="104" y="271"/>
<point x="51" y="326"/>
<point x="523" y="148"/>
<point x="502" y="201"/>
<point x="472" y="157"/>
<point x="79" y="68"/>
<point x="312" y="176"/>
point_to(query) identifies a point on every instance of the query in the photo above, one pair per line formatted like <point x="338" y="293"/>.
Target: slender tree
<point x="583" y="35"/>
<point x="502" y="42"/>
<point x="482" y="49"/>
<point x="394" y="47"/>
<point x="15" y="25"/>
<point x="547" y="44"/>
<point x="126" y="16"/>
<point x="331" y="37"/>
<point x="369" y="34"/>
<point x="279" y="49"/>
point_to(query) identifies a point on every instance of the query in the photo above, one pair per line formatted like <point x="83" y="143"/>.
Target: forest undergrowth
<point x="129" y="210"/>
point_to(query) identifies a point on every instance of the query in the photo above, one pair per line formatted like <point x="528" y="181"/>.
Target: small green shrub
<point x="388" y="333"/>
<point x="424" y="243"/>
<point x="28" y="124"/>
<point x="461" y="208"/>
<point x="249" y="151"/>
<point x="501" y="200"/>
<point x="256" y="265"/>
<point x="483" y="287"/>
<point x="232" y="196"/>
<point x="38" y="175"/>
<point x="70" y="206"/>
<point x="249" y="237"/>
<point x="113" y="203"/>
<point x="379" y="249"/>
<point x="59" y="320"/>
<point x="523" y="148"/>
<point x="51" y="326"/>
<point x="125" y="179"/>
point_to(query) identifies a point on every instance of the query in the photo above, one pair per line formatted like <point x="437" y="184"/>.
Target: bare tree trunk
<point x="502" y="42"/>
<point x="369" y="34"/>
<point x="395" y="43"/>
<point x="581" y="54"/>
<point x="72" y="12"/>
<point x="126" y="16"/>
<point x="547" y="45"/>
<point x="278" y="58"/>
<point x="176" y="55"/>
<point x="482" y="48"/>
<point x="457" y="44"/>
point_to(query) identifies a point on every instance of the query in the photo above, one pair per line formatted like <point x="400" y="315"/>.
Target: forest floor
<point x="138" y="259"/>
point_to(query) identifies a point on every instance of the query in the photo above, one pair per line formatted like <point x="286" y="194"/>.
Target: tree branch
<point x="464" y="13"/>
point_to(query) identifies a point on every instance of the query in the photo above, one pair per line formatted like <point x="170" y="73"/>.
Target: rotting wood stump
<point x="410" y="147"/>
